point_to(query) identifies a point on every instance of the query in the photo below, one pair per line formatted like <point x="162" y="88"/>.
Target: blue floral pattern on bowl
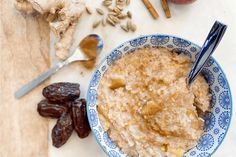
<point x="205" y="142"/>
<point x="159" y="40"/>
<point x="217" y="121"/>
<point x="95" y="79"/>
<point x="210" y="121"/>
<point x="92" y="97"/>
<point x="116" y="54"/>
<point x="222" y="81"/>
<point x="224" y="100"/>
<point x="138" y="41"/>
<point x="208" y="76"/>
<point x="179" y="42"/>
<point x="224" y="120"/>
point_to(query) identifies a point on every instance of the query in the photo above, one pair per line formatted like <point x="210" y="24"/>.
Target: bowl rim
<point x="149" y="35"/>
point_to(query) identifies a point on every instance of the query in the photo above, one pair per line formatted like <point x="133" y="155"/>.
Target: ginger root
<point x="24" y="6"/>
<point x="62" y="15"/>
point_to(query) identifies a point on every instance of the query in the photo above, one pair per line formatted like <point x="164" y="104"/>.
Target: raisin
<point x="62" y="92"/>
<point x="80" y="119"/>
<point x="62" y="130"/>
<point x="46" y="109"/>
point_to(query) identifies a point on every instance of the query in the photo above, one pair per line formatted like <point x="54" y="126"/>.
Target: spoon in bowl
<point x="213" y="39"/>
<point x="82" y="53"/>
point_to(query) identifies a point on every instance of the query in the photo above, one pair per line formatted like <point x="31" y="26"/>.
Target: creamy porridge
<point x="146" y="107"/>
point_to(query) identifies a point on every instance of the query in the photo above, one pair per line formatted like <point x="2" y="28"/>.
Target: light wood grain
<point x="24" y="52"/>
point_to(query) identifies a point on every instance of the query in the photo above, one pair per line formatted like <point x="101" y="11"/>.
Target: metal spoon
<point x="213" y="39"/>
<point x="78" y="55"/>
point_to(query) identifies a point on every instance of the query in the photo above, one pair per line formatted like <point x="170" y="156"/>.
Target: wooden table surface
<point x="24" y="48"/>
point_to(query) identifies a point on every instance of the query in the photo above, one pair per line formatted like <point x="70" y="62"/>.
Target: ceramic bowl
<point x="216" y="122"/>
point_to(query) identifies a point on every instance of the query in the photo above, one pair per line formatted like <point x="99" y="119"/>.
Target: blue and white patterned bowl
<point x="216" y="122"/>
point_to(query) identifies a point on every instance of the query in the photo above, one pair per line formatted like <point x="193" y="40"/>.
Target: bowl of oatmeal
<point x="139" y="103"/>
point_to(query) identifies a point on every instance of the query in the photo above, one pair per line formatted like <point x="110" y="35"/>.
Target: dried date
<point x="62" y="92"/>
<point x="62" y="130"/>
<point x="79" y="117"/>
<point x="62" y="101"/>
<point x="46" y="109"/>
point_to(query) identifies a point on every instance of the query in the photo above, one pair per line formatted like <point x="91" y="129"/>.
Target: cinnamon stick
<point x="166" y="8"/>
<point x="151" y="9"/>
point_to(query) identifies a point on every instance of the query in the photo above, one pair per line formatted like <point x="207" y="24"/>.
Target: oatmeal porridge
<point x="147" y="108"/>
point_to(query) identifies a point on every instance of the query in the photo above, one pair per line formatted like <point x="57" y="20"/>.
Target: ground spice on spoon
<point x="89" y="47"/>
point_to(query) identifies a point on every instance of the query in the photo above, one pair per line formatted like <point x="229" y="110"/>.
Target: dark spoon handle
<point x="213" y="39"/>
